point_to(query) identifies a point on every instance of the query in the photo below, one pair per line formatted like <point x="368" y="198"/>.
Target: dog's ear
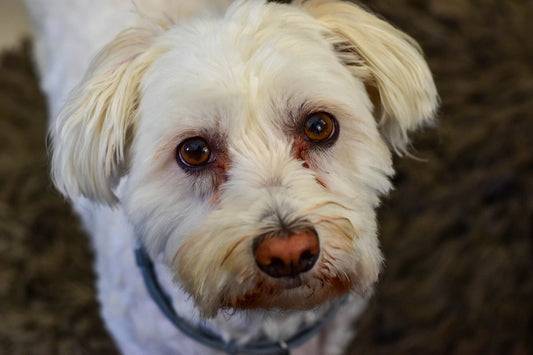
<point x="390" y="62"/>
<point x="91" y="134"/>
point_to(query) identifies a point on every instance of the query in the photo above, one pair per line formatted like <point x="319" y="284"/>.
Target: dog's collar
<point x="203" y="335"/>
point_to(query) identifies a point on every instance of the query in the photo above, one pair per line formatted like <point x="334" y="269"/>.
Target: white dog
<point x="244" y="147"/>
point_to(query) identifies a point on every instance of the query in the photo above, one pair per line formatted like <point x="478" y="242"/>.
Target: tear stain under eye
<point x="301" y="148"/>
<point x="220" y="176"/>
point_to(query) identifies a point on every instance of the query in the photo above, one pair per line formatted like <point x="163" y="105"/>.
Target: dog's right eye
<point x="194" y="152"/>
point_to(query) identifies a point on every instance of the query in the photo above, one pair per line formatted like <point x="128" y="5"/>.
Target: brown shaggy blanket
<point x="457" y="231"/>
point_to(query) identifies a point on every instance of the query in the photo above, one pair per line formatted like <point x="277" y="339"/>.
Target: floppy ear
<point x="389" y="61"/>
<point x="90" y="137"/>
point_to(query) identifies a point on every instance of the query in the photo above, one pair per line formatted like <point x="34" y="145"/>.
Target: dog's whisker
<point x="246" y="277"/>
<point x="333" y="221"/>
<point x="322" y="205"/>
<point x="232" y="248"/>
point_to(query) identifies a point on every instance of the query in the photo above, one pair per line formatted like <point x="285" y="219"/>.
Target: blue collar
<point x="205" y="336"/>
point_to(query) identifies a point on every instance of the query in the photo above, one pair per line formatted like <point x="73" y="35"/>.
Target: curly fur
<point x="244" y="77"/>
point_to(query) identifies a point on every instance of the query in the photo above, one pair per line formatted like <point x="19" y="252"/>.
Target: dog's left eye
<point x="320" y="127"/>
<point x="194" y="152"/>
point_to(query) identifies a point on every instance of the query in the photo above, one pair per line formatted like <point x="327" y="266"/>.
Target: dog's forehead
<point x="239" y="68"/>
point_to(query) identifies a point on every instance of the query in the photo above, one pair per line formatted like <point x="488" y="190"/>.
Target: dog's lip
<point x="291" y="283"/>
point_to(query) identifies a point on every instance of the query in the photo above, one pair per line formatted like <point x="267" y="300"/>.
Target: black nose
<point x="287" y="256"/>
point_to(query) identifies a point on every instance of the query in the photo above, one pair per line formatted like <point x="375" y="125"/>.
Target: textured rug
<point x="457" y="231"/>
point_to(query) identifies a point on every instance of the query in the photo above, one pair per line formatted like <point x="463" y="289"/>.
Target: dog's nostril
<point x="308" y="258"/>
<point x="276" y="263"/>
<point x="287" y="256"/>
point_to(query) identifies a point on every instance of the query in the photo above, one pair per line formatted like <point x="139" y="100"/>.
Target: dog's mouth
<point x="296" y="293"/>
<point x="291" y="283"/>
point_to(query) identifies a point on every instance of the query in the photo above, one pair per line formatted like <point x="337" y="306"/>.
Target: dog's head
<point x="253" y="147"/>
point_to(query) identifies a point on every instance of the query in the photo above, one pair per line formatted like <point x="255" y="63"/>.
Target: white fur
<point x="244" y="76"/>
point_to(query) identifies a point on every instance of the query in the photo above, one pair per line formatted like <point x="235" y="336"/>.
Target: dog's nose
<point x="287" y="256"/>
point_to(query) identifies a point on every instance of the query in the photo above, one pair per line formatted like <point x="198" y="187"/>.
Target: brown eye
<point x="194" y="152"/>
<point x="320" y="127"/>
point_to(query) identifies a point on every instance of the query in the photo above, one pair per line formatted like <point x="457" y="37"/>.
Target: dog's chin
<point x="289" y="295"/>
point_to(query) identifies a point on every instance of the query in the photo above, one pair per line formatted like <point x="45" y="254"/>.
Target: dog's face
<point x="250" y="148"/>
